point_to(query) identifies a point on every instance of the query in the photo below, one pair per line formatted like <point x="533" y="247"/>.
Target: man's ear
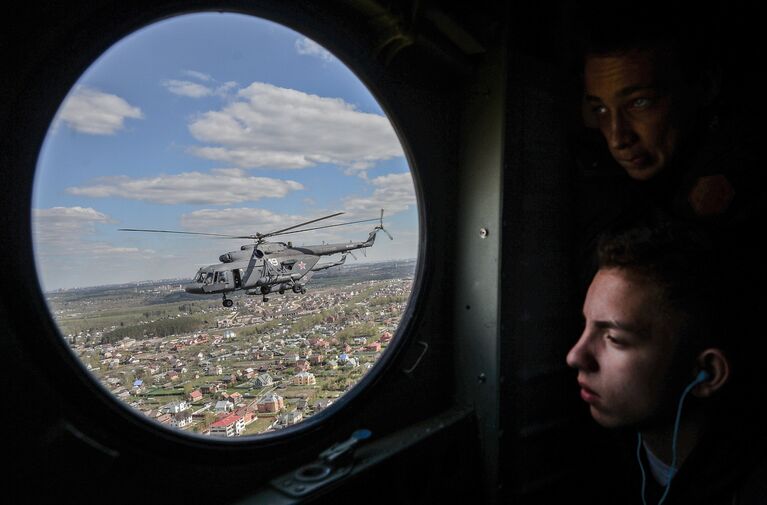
<point x="715" y="362"/>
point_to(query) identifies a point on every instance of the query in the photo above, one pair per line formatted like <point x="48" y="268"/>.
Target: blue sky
<point x="219" y="123"/>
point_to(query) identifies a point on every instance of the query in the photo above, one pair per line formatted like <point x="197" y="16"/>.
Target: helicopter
<point x="265" y="267"/>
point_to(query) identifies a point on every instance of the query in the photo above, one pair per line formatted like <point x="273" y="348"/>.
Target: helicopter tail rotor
<point x="380" y="226"/>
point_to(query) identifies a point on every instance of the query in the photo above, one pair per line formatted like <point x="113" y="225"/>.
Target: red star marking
<point x="301" y="265"/>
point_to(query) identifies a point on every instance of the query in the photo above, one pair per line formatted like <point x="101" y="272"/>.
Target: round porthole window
<point x="225" y="225"/>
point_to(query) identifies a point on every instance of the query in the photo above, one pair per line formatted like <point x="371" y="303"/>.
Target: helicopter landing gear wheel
<point x="227" y="302"/>
<point x="265" y="299"/>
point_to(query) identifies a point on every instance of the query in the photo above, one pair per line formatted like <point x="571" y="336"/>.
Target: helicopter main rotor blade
<point x="180" y="232"/>
<point x="257" y="236"/>
<point x="279" y="232"/>
<point x="327" y="226"/>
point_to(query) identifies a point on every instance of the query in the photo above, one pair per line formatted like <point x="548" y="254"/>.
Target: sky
<point x="216" y="123"/>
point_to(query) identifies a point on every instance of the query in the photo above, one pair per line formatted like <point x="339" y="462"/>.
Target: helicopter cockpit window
<point x="207" y="140"/>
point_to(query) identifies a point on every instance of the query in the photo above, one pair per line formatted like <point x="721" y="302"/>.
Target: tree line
<point x="159" y="328"/>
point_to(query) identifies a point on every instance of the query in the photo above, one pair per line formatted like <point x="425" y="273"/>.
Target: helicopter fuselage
<point x="246" y="274"/>
<point x="268" y="266"/>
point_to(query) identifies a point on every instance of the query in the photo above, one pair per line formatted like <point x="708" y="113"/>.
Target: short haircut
<point x="715" y="287"/>
<point x="680" y="258"/>
<point x="689" y="36"/>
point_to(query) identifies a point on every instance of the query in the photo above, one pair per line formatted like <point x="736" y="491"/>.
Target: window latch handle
<point x="341" y="449"/>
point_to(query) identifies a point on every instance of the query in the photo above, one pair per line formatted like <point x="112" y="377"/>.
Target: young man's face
<point x="629" y="94"/>
<point x="625" y="353"/>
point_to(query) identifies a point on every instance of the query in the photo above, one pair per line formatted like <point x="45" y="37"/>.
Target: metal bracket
<point x="333" y="463"/>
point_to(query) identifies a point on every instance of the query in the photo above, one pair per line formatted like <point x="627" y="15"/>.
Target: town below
<point x="188" y="363"/>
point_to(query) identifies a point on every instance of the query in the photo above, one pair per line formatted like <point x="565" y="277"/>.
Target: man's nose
<point x="621" y="134"/>
<point x="581" y="356"/>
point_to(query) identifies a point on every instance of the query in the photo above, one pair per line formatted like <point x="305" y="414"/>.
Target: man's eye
<point x="615" y="341"/>
<point x="641" y="103"/>
<point x="599" y="109"/>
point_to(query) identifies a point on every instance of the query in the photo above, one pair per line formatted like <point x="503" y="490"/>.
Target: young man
<point x="673" y="126"/>
<point x="657" y="356"/>
<point x="633" y="101"/>
<point x="672" y="115"/>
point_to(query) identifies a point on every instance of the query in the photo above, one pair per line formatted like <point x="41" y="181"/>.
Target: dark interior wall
<point x="539" y="308"/>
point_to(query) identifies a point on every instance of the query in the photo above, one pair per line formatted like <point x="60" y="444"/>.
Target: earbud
<point x="703" y="376"/>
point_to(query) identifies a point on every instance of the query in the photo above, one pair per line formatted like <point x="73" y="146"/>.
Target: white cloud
<point x="249" y="221"/>
<point x="275" y="127"/>
<point x="308" y="47"/>
<point x="218" y="187"/>
<point x="57" y="226"/>
<point x="249" y="158"/>
<point x="393" y="192"/>
<point x="224" y="89"/>
<point x="70" y="251"/>
<point x="72" y="214"/>
<point x="62" y="231"/>
<point x="187" y="88"/>
<point x="196" y="90"/>
<point x="200" y="76"/>
<point x="94" y="112"/>
<point x="237" y="221"/>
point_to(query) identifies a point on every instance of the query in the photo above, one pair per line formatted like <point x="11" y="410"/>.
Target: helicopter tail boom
<point x="327" y="249"/>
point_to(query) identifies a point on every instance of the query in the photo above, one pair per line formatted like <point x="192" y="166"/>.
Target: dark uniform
<point x="727" y="467"/>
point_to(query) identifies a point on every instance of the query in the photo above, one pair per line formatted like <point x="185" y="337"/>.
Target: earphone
<point x="702" y="376"/>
